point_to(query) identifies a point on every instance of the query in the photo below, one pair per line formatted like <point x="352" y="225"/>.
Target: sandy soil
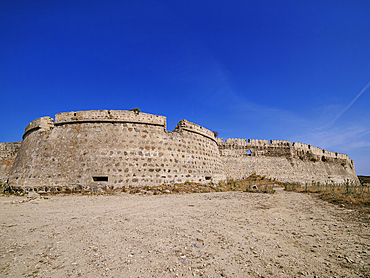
<point x="226" y="234"/>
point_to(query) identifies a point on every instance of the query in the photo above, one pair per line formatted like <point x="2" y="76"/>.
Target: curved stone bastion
<point x="103" y="149"/>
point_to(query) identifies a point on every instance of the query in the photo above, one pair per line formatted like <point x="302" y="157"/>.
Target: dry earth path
<point x="226" y="234"/>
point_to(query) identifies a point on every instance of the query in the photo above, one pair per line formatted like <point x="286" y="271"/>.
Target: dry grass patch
<point x="346" y="194"/>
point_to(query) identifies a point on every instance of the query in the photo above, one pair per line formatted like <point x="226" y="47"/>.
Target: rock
<point x="32" y="194"/>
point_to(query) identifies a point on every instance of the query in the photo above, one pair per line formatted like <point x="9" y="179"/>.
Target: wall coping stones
<point x="188" y="126"/>
<point x="43" y="123"/>
<point x="109" y="116"/>
<point x="118" y="116"/>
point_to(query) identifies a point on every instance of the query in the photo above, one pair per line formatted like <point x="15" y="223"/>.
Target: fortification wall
<point x="117" y="116"/>
<point x="103" y="149"/>
<point x="284" y="162"/>
<point x="111" y="149"/>
<point x="8" y="153"/>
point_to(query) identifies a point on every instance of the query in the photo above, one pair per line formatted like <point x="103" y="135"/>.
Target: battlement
<point x="188" y="126"/>
<point x="242" y="143"/>
<point x="305" y="148"/>
<point x="118" y="116"/>
<point x="42" y="124"/>
<point x="114" y="148"/>
<point x="47" y="123"/>
<point x="261" y="147"/>
<point x="109" y="116"/>
<point x="280" y="143"/>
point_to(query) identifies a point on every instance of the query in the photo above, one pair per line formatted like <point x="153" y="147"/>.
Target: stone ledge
<point x="43" y="123"/>
<point x="109" y="116"/>
<point x="188" y="126"/>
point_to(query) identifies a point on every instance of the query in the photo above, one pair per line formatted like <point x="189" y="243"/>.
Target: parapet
<point x="236" y="142"/>
<point x="261" y="147"/>
<point x="301" y="146"/>
<point x="258" y="142"/>
<point x="320" y="152"/>
<point x="188" y="126"/>
<point x="109" y="116"/>
<point x="280" y="143"/>
<point x="42" y="124"/>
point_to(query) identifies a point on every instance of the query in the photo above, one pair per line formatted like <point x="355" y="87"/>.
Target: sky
<point x="261" y="69"/>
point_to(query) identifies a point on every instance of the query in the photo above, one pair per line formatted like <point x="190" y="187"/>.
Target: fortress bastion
<point x="111" y="149"/>
<point x="101" y="149"/>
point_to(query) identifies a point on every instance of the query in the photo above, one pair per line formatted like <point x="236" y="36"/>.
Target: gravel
<point x="225" y="234"/>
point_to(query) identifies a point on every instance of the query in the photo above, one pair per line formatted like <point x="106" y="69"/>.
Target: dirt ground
<point x="220" y="234"/>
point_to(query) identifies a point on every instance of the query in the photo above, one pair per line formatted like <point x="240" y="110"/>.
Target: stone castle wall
<point x="110" y="149"/>
<point x="103" y="149"/>
<point x="284" y="161"/>
<point x="8" y="152"/>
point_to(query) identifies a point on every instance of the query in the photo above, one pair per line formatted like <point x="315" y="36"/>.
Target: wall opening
<point x="249" y="153"/>
<point x="208" y="178"/>
<point x="100" y="178"/>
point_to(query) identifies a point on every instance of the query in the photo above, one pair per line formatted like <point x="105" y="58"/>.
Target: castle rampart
<point x="191" y="127"/>
<point x="8" y="153"/>
<point x="118" y="116"/>
<point x="285" y="162"/>
<point x="111" y="149"/>
<point x="41" y="124"/>
<point x="103" y="149"/>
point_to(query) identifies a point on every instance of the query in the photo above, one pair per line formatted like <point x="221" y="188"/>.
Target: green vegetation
<point x="136" y="110"/>
<point x="364" y="180"/>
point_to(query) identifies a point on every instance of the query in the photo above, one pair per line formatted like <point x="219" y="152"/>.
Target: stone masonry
<point x="284" y="161"/>
<point x="101" y="149"/>
<point x="8" y="152"/>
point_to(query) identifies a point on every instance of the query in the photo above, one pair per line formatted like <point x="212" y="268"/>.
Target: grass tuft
<point x="345" y="194"/>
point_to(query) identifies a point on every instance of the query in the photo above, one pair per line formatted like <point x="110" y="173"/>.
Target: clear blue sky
<point x="286" y="70"/>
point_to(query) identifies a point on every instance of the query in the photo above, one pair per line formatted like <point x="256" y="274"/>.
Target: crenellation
<point x="280" y="143"/>
<point x="316" y="151"/>
<point x="301" y="146"/>
<point x="295" y="162"/>
<point x="108" y="149"/>
<point x="258" y="142"/>
<point x="330" y="154"/>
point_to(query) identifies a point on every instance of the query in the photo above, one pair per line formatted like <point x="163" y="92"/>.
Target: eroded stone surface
<point x="8" y="152"/>
<point x="101" y="149"/>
